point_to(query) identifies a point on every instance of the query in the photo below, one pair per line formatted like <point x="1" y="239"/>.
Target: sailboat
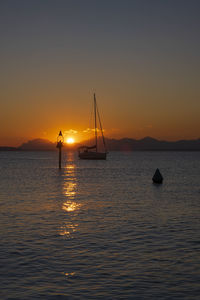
<point x="92" y="152"/>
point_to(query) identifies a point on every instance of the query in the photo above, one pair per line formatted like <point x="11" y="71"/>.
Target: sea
<point x="99" y="229"/>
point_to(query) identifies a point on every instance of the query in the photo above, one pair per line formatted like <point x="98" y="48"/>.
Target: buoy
<point x="157" y="177"/>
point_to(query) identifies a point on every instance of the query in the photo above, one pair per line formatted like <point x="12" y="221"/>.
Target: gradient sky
<point x="141" y="57"/>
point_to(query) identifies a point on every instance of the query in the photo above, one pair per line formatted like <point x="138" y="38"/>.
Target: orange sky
<point x="143" y="68"/>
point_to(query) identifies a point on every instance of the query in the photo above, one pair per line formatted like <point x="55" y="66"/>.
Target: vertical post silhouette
<point x="60" y="141"/>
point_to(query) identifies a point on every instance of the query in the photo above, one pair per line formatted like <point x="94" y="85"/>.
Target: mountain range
<point x="125" y="144"/>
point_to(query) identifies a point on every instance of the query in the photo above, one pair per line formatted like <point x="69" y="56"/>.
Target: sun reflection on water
<point x="70" y="274"/>
<point x="68" y="229"/>
<point x="70" y="206"/>
<point x="70" y="189"/>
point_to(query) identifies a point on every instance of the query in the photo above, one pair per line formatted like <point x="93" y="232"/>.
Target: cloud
<point x="70" y="131"/>
<point x="89" y="130"/>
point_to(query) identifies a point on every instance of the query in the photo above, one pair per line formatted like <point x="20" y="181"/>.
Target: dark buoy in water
<point x="157" y="177"/>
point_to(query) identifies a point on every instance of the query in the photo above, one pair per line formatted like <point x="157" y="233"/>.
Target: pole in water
<point x="60" y="141"/>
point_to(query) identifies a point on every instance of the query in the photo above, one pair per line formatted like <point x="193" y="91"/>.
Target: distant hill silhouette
<point x="5" y="148"/>
<point x="124" y="144"/>
<point x="42" y="145"/>
<point x="148" y="143"/>
<point x="38" y="144"/>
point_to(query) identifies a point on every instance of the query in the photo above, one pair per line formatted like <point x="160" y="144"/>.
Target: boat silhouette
<point x="92" y="152"/>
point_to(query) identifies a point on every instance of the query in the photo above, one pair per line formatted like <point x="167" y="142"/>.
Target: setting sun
<point x="70" y="140"/>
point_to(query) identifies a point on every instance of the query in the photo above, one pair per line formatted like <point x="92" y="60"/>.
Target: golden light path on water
<point x="70" y="206"/>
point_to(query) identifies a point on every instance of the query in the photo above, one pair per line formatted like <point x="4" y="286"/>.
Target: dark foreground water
<point x="99" y="229"/>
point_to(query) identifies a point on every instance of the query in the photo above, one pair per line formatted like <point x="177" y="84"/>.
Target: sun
<point x="70" y="140"/>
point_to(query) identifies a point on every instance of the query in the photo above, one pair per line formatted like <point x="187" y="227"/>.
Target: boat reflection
<point x="70" y="206"/>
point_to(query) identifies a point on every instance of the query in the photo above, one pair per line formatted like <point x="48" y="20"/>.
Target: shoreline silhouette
<point x="124" y="144"/>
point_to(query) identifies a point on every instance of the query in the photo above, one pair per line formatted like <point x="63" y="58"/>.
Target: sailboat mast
<point x="95" y="121"/>
<point x="104" y="143"/>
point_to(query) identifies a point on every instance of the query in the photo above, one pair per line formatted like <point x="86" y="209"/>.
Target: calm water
<point x="99" y="229"/>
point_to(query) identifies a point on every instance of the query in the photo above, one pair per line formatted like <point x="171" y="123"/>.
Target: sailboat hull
<point x="92" y="155"/>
